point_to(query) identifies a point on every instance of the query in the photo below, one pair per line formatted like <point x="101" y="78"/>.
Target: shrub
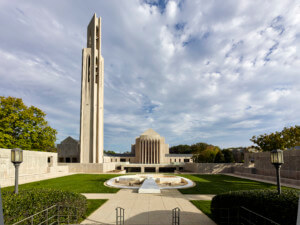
<point x="279" y="208"/>
<point x="31" y="201"/>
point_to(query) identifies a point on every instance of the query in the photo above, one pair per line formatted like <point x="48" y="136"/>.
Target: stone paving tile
<point x="98" y="196"/>
<point x="198" y="197"/>
<point x="151" y="209"/>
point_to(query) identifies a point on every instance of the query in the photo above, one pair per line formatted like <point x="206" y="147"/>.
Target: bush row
<point x="280" y="208"/>
<point x="29" y="202"/>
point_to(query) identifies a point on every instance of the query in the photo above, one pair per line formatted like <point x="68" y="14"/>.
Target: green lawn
<point x="217" y="184"/>
<point x="204" y="206"/>
<point x="80" y="183"/>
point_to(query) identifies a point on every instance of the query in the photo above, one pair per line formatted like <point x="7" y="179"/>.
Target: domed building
<point x="149" y="148"/>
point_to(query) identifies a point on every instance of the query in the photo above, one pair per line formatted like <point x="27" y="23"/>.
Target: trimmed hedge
<point x="280" y="208"/>
<point x="29" y="202"/>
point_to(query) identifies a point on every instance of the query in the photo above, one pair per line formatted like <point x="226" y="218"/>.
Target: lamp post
<point x="16" y="159"/>
<point x="277" y="161"/>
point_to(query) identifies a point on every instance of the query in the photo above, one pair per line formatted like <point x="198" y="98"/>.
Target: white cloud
<point x="192" y="70"/>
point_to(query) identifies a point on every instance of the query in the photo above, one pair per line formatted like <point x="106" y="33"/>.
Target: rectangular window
<point x="186" y="160"/>
<point x="68" y="160"/>
<point x="74" y="160"/>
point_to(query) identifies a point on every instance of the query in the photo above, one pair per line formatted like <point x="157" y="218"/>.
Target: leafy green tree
<point x="287" y="138"/>
<point x="180" y="149"/>
<point x="228" y="156"/>
<point x="204" y="153"/>
<point x="219" y="157"/>
<point x="198" y="147"/>
<point x="24" y="127"/>
<point x="109" y="152"/>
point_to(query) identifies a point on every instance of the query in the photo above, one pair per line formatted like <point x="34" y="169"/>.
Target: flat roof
<point x="179" y="155"/>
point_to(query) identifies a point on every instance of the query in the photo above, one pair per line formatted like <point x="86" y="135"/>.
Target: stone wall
<point x="258" y="165"/>
<point x="211" y="167"/>
<point x="35" y="166"/>
<point x="89" y="167"/>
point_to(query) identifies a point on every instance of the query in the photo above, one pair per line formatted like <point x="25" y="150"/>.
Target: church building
<point x="149" y="148"/>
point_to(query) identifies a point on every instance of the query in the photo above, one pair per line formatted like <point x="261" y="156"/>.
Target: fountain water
<point x="150" y="183"/>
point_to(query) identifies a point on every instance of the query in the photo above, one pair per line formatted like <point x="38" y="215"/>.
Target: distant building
<point x="68" y="151"/>
<point x="149" y="148"/>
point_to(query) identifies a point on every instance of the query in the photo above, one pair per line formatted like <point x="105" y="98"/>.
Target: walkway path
<point x="148" y="209"/>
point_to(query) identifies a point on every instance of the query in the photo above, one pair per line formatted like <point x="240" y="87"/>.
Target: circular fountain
<point x="150" y="183"/>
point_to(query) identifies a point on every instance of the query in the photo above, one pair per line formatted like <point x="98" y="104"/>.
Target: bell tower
<point x="92" y="93"/>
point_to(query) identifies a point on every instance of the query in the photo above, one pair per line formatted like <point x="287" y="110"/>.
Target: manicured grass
<point x="92" y="205"/>
<point x="217" y="184"/>
<point x="204" y="206"/>
<point x="80" y="183"/>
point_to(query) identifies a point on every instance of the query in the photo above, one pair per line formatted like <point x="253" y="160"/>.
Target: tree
<point x="219" y="157"/>
<point x="24" y="127"/>
<point x="109" y="152"/>
<point x="180" y="149"/>
<point x="228" y="156"/>
<point x="204" y="153"/>
<point x="287" y="138"/>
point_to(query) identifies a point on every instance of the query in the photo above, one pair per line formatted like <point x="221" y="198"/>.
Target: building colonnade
<point x="150" y="151"/>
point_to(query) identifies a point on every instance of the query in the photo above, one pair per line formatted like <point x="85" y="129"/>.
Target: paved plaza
<point x="154" y="209"/>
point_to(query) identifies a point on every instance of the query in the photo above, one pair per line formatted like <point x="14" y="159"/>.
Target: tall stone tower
<point x="92" y="93"/>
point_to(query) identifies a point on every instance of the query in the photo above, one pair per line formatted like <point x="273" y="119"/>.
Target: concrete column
<point x="148" y="151"/>
<point x="151" y="150"/>
<point x="157" y="152"/>
<point x="154" y="151"/>
<point x="142" y="151"/>
<point x="142" y="169"/>
<point x="157" y="169"/>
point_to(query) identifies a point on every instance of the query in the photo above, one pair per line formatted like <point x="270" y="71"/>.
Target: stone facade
<point x="36" y="166"/>
<point x="68" y="151"/>
<point x="261" y="164"/>
<point x="92" y="93"/>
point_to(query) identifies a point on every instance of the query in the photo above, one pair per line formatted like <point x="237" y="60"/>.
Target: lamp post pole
<point x="17" y="177"/>
<point x="277" y="166"/>
<point x="277" y="161"/>
<point x="16" y="159"/>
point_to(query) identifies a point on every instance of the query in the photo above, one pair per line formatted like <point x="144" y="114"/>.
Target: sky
<point x="194" y="71"/>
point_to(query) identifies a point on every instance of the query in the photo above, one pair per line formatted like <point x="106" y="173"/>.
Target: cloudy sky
<point x="194" y="71"/>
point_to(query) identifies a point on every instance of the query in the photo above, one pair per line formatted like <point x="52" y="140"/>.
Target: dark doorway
<point x="149" y="169"/>
<point x="132" y="169"/>
<point x="167" y="169"/>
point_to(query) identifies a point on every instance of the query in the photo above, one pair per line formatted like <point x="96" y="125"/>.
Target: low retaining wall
<point x="89" y="167"/>
<point x="35" y="166"/>
<point x="263" y="169"/>
<point x="211" y="168"/>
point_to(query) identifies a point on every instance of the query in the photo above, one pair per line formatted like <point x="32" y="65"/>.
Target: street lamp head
<point x="277" y="157"/>
<point x="16" y="155"/>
